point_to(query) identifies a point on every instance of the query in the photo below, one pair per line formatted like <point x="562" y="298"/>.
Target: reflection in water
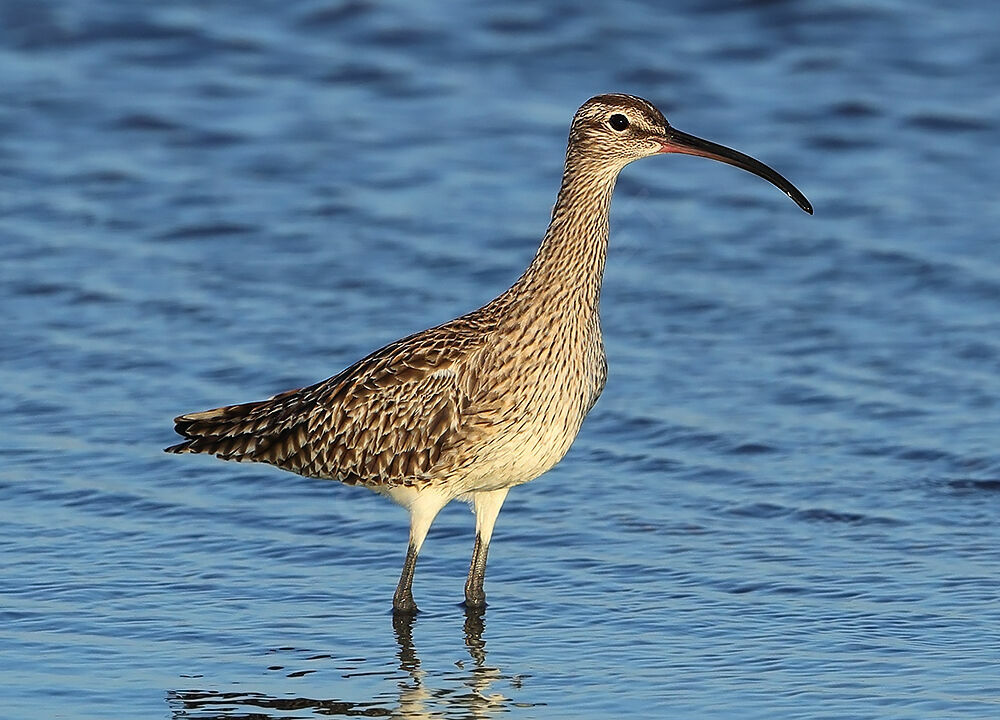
<point x="417" y="693"/>
<point x="469" y="693"/>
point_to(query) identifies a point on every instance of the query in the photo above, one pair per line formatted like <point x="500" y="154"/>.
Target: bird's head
<point x="610" y="131"/>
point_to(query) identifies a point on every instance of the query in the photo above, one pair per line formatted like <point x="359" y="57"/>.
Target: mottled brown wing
<point x="388" y="419"/>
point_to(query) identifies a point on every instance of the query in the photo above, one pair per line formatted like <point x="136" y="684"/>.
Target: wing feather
<point x="391" y="418"/>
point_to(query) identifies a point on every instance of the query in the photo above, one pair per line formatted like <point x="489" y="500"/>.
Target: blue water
<point x="785" y="504"/>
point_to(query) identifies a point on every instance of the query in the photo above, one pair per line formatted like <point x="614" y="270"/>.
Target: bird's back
<point x="392" y="417"/>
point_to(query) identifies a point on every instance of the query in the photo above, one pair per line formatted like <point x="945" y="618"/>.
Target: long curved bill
<point x="676" y="141"/>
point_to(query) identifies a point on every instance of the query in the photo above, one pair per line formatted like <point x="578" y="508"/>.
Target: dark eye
<point x="618" y="122"/>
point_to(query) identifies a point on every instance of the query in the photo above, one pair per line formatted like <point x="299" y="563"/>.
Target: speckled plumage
<point x="477" y="405"/>
<point x="493" y="398"/>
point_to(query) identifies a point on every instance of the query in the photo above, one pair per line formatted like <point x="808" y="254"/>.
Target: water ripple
<point x="785" y="503"/>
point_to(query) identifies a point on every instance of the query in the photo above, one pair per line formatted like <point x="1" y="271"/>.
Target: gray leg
<point x="424" y="505"/>
<point x="475" y="596"/>
<point x="402" y="601"/>
<point x="487" y="506"/>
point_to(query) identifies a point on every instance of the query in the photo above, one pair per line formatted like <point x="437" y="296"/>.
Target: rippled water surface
<point x="786" y="502"/>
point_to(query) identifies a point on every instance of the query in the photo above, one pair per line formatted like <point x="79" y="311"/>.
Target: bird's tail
<point x="236" y="432"/>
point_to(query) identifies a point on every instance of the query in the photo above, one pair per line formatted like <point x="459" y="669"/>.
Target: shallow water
<point x="784" y="505"/>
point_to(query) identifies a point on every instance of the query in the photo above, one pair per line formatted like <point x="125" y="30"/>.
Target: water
<point x="784" y="505"/>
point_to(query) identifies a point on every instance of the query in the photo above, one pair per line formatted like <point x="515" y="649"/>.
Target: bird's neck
<point x="568" y="268"/>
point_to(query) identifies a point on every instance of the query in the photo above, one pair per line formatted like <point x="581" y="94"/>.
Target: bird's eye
<point x="618" y="122"/>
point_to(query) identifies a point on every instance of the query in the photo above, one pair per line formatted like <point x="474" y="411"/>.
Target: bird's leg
<point x="475" y="596"/>
<point x="487" y="506"/>
<point x="402" y="601"/>
<point x="424" y="507"/>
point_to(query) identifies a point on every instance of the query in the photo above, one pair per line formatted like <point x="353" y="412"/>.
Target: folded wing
<point x="392" y="418"/>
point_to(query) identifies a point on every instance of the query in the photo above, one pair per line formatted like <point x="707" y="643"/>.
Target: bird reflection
<point x="416" y="693"/>
<point x="468" y="692"/>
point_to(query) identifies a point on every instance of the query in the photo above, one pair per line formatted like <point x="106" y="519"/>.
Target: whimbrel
<point x="487" y="401"/>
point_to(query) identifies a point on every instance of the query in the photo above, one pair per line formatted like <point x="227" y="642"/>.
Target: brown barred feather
<point x="387" y="419"/>
<point x="495" y="397"/>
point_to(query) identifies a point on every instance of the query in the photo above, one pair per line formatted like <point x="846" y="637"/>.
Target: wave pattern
<point x="785" y="504"/>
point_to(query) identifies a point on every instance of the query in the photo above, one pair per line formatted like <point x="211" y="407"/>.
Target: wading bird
<point x="487" y="401"/>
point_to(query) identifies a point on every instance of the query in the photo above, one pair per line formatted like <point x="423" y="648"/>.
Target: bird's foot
<point x="475" y="600"/>
<point x="403" y="605"/>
